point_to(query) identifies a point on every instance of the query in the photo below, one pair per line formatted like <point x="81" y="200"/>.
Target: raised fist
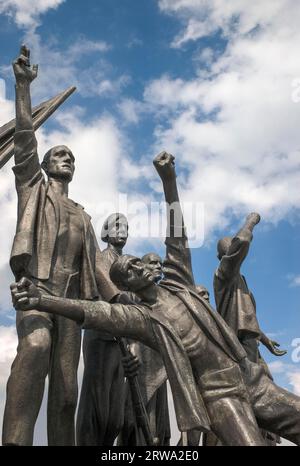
<point x="22" y="69"/>
<point x="165" y="165"/>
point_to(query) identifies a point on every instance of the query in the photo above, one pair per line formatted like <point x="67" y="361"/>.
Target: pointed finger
<point x="25" y="51"/>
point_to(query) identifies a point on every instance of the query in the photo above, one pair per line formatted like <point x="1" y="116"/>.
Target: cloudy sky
<point x="216" y="83"/>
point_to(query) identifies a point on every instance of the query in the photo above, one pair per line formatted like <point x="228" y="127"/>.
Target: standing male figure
<point x="101" y="406"/>
<point x="214" y="385"/>
<point x="55" y="247"/>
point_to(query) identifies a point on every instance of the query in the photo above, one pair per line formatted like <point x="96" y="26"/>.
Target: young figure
<point x="235" y="302"/>
<point x="214" y="385"/>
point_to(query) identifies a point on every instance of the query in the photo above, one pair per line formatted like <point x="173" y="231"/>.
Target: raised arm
<point x="24" y="75"/>
<point x="177" y="264"/>
<point x="27" y="168"/>
<point x="232" y="260"/>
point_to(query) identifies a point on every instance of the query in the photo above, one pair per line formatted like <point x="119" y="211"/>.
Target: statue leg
<point x="129" y="435"/>
<point x="25" y="386"/>
<point x="229" y="408"/>
<point x="162" y="415"/>
<point x="117" y="396"/>
<point x="101" y="407"/>
<point x="276" y="409"/>
<point x="63" y="388"/>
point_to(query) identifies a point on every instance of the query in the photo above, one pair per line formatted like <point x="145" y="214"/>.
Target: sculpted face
<point x="60" y="163"/>
<point x="153" y="263"/>
<point x="202" y="292"/>
<point x="138" y="275"/>
<point x="118" y="233"/>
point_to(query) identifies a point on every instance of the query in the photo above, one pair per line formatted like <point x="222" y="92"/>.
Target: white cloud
<point x="294" y="380"/>
<point x="8" y="345"/>
<point x="294" y="280"/>
<point x="82" y="64"/>
<point x="26" y="13"/>
<point x="234" y="126"/>
<point x="205" y="17"/>
<point x="130" y="110"/>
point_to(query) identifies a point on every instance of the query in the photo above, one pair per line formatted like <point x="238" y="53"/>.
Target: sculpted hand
<point x="165" y="165"/>
<point x="24" y="73"/>
<point x="273" y="348"/>
<point x="253" y="219"/>
<point x="25" y="295"/>
<point x="131" y="365"/>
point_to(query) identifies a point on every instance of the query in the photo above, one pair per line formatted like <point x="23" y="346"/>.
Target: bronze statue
<point x="152" y="380"/>
<point x="236" y="303"/>
<point x="101" y="406"/>
<point x="213" y="383"/>
<point x="56" y="248"/>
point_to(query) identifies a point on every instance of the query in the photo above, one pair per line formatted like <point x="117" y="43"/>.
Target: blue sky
<point x="215" y="85"/>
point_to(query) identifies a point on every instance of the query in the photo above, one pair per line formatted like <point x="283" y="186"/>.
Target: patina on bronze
<point x="54" y="246"/>
<point x="236" y="303"/>
<point x="102" y="399"/>
<point x="213" y="383"/>
<point x="40" y="114"/>
<point x="152" y="380"/>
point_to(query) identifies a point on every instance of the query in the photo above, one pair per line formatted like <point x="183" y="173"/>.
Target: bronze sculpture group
<point x="149" y="310"/>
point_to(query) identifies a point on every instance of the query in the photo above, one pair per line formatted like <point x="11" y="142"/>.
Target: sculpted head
<point x="115" y="230"/>
<point x="202" y="292"/>
<point x="223" y="246"/>
<point x="154" y="264"/>
<point x="129" y="273"/>
<point x="59" y="163"/>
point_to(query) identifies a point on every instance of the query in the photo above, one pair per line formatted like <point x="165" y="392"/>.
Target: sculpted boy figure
<point x="101" y="407"/>
<point x="234" y="300"/>
<point x="214" y="385"/>
<point x="55" y="247"/>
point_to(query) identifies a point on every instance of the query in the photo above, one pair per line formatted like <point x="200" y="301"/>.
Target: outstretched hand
<point x="25" y="295"/>
<point x="165" y="165"/>
<point x="22" y="69"/>
<point x="273" y="348"/>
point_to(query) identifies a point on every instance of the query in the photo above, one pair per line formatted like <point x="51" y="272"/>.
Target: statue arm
<point x="116" y="319"/>
<point x="230" y="263"/>
<point x="271" y="345"/>
<point x="24" y="76"/>
<point x="27" y="168"/>
<point x="177" y="264"/>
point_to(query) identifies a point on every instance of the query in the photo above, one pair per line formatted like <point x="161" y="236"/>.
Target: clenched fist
<point x="165" y="165"/>
<point x="25" y="295"/>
